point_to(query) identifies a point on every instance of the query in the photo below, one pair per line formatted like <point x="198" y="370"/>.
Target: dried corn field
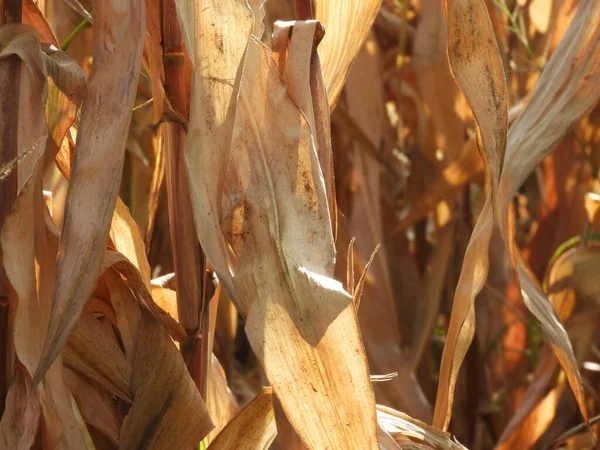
<point x="299" y="224"/>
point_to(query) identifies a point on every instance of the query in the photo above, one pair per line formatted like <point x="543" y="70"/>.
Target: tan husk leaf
<point x="93" y="191"/>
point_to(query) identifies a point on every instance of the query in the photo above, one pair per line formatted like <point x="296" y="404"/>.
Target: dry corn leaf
<point x="437" y="90"/>
<point x="275" y="241"/>
<point x="215" y="31"/>
<point x="31" y="15"/>
<point x="21" y="416"/>
<point x="567" y="89"/>
<point x="278" y="271"/>
<point x="400" y="425"/>
<point x="135" y="281"/>
<point x="253" y="428"/>
<point x="94" y="353"/>
<point x="220" y="400"/>
<point x="306" y="88"/>
<point x="30" y="240"/>
<point x="347" y="23"/>
<point x="95" y="404"/>
<point x="379" y="318"/>
<point x="127" y="310"/>
<point x="167" y="409"/>
<point x="476" y="66"/>
<point x="92" y="195"/>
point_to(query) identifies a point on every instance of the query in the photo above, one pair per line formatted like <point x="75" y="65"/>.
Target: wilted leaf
<point x="20" y="420"/>
<point x="167" y="409"/>
<point x="400" y="425"/>
<point x="29" y="244"/>
<point x="347" y="23"/>
<point x="566" y="90"/>
<point x="96" y="406"/>
<point x="277" y="271"/>
<point x="93" y="352"/>
<point x="476" y="66"/>
<point x="253" y="427"/>
<point x="118" y="40"/>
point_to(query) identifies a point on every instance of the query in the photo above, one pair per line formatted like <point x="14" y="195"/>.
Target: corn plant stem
<point x="10" y="12"/>
<point x="189" y="260"/>
<point x="78" y="29"/>
<point x="304" y="9"/>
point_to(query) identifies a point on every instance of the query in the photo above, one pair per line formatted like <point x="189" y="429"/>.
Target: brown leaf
<point x="92" y="352"/>
<point x="29" y="243"/>
<point x="167" y="409"/>
<point x="21" y="417"/>
<point x="253" y="428"/>
<point x="477" y="69"/>
<point x="97" y="408"/>
<point x="566" y="90"/>
<point x="220" y="400"/>
<point x="92" y="195"/>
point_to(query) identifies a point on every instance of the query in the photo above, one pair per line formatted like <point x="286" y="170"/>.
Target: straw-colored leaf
<point x="271" y="209"/>
<point x="253" y="428"/>
<point x="347" y="23"/>
<point x="287" y="309"/>
<point x="400" y="425"/>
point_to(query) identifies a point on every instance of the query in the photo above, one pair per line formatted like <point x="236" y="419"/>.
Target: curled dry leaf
<point x="401" y="426"/>
<point x="92" y="195"/>
<point x="567" y="89"/>
<point x="166" y="407"/>
<point x="477" y="68"/>
<point x="347" y="23"/>
<point x="95" y="404"/>
<point x="252" y="428"/>
<point x="95" y="353"/>
<point x="143" y="289"/>
<point x="272" y="209"/>
<point x="30" y="239"/>
<point x="296" y="304"/>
